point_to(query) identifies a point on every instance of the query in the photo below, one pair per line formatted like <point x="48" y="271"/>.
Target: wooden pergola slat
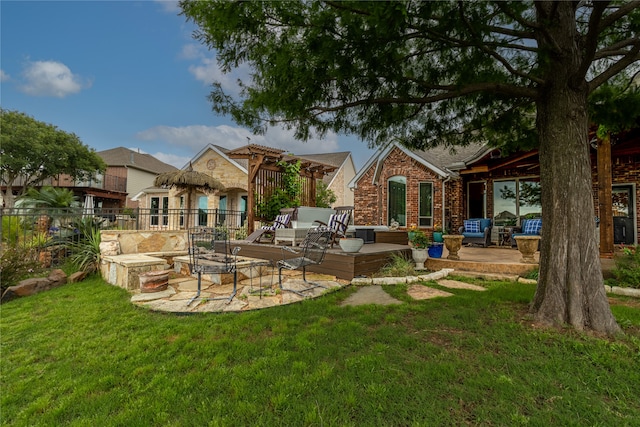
<point x="262" y="158"/>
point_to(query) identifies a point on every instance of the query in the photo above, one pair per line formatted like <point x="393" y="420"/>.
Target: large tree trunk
<point x="570" y="286"/>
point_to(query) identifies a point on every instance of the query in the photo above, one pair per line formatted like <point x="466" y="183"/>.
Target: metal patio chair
<point x="311" y="252"/>
<point x="210" y="252"/>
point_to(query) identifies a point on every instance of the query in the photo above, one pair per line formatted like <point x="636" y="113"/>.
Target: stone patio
<point x="264" y="292"/>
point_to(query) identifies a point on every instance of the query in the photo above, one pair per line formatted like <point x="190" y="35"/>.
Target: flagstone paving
<point x="255" y="294"/>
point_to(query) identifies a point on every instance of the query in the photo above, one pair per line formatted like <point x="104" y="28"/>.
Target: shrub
<point x="398" y="266"/>
<point x="418" y="239"/>
<point x="11" y="229"/>
<point x="17" y="263"/>
<point x="627" y="270"/>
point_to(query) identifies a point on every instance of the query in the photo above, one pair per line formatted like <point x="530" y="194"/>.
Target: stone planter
<point x="154" y="281"/>
<point x="527" y="245"/>
<point x="419" y="257"/>
<point x="351" y="245"/>
<point x="453" y="242"/>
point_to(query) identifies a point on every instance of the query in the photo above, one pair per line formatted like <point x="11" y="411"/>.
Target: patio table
<point x="216" y="263"/>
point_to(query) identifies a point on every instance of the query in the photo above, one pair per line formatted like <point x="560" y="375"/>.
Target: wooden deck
<point x="343" y="265"/>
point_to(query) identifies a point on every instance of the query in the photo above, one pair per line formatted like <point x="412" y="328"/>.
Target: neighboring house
<point x="126" y="174"/>
<point x="233" y="174"/>
<point x="440" y="186"/>
<point x="136" y="170"/>
<point x="338" y="180"/>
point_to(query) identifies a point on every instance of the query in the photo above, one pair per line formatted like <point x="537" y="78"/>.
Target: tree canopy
<point x="32" y="151"/>
<point x="514" y="74"/>
<point x="423" y="72"/>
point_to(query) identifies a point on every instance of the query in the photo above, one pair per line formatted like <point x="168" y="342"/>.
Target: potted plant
<point x="419" y="243"/>
<point x="438" y="231"/>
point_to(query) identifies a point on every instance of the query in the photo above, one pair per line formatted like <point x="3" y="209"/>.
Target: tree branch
<point x="479" y="43"/>
<point x="622" y="11"/>
<point x="631" y="57"/>
<point x="448" y="92"/>
<point x="591" y="39"/>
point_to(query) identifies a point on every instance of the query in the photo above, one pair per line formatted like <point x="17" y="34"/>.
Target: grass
<point x="83" y="355"/>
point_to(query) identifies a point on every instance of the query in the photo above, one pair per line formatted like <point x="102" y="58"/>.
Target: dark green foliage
<point x="285" y="196"/>
<point x="627" y="270"/>
<point x="34" y="151"/>
<point x="84" y="244"/>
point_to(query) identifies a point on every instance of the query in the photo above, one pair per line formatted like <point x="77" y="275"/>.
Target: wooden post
<point x="605" y="201"/>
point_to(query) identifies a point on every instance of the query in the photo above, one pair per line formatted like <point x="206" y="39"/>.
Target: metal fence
<point x="37" y="228"/>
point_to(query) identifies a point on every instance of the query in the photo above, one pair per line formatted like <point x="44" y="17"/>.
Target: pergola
<point x="264" y="173"/>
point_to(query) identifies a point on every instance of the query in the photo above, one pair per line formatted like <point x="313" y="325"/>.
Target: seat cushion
<point x="532" y="226"/>
<point x="471" y="226"/>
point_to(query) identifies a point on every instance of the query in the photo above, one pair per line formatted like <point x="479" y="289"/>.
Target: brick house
<point x="441" y="186"/>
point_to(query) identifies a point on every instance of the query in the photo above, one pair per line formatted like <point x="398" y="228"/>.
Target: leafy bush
<point x="324" y="196"/>
<point x="11" y="229"/>
<point x="17" y="263"/>
<point x="418" y="239"/>
<point x="627" y="270"/>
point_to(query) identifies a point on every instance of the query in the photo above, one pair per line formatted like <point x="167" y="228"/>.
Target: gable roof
<point x="444" y="161"/>
<point x="241" y="164"/>
<point x="333" y="159"/>
<point x="122" y="156"/>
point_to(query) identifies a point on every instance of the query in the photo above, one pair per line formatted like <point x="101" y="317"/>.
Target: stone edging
<point x="359" y="281"/>
<point x="395" y="280"/>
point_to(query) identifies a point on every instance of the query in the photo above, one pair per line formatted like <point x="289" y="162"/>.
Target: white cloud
<point x="172" y="159"/>
<point x="207" y="71"/>
<point x="51" y="78"/>
<point x="169" y="6"/>
<point x="196" y="137"/>
<point x="4" y="76"/>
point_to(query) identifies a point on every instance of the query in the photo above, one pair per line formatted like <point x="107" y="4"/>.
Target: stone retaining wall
<point x="125" y="254"/>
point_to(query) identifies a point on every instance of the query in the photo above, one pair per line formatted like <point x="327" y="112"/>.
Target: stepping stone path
<point x="425" y="292"/>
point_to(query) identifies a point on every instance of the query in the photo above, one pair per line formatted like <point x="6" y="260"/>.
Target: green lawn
<point x="83" y="355"/>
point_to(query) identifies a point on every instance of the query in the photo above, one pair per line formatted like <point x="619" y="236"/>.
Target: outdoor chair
<point x="311" y="252"/>
<point x="476" y="231"/>
<point x="267" y="233"/>
<point x="528" y="227"/>
<point x="210" y="252"/>
<point x="337" y="224"/>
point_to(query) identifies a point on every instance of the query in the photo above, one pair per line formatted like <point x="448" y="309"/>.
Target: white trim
<point x="220" y="153"/>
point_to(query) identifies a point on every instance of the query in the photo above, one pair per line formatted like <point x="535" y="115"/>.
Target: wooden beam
<point x="605" y="200"/>
<point x="514" y="160"/>
<point x="475" y="169"/>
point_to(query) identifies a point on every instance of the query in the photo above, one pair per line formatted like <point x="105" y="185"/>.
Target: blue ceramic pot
<point x="435" y="250"/>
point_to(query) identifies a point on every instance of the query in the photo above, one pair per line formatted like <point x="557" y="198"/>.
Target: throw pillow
<point x="471" y="226"/>
<point x="533" y="226"/>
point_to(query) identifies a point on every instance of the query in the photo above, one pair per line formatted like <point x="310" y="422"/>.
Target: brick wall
<point x="625" y="169"/>
<point x="371" y="198"/>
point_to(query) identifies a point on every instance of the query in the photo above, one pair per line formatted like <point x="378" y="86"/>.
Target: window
<point x="203" y="204"/>
<point x="425" y="208"/>
<point x="515" y="199"/>
<point x="181" y="211"/>
<point x="155" y="211"/>
<point x="397" y="200"/>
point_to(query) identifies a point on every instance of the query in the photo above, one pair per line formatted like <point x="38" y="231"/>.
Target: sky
<point x="127" y="74"/>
